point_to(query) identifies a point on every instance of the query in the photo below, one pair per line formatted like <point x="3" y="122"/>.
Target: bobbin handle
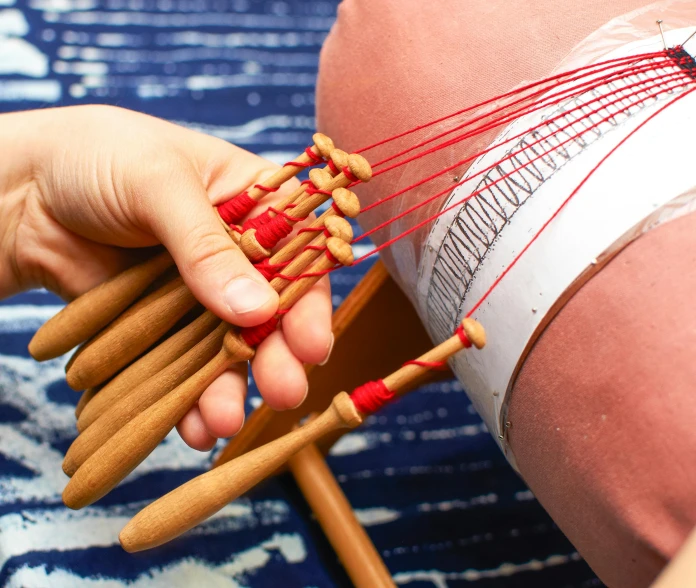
<point x="130" y="335"/>
<point x="85" y="316"/>
<point x="405" y="377"/>
<point x="123" y="452"/>
<point x="195" y="501"/>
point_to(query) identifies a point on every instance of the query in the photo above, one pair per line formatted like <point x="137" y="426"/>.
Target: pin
<point x="691" y="36"/>
<point x="662" y="34"/>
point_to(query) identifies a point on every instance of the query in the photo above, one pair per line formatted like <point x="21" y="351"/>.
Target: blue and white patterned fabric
<point x="438" y="499"/>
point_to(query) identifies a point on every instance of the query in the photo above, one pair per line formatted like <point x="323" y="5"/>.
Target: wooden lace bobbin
<point x="122" y="453"/>
<point x="164" y="354"/>
<point x="130" y="335"/>
<point x="338" y="160"/>
<point x="338" y="521"/>
<point x="85" y="316"/>
<point x="141" y="398"/>
<point x="87" y="396"/>
<point x="192" y="503"/>
<point x="357" y="166"/>
<point x="233" y="211"/>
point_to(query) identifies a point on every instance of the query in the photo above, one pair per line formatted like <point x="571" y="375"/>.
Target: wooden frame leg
<point x="337" y="519"/>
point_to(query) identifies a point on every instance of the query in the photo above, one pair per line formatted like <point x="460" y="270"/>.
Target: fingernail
<point x="244" y="295"/>
<point x="328" y="353"/>
<point x="303" y="399"/>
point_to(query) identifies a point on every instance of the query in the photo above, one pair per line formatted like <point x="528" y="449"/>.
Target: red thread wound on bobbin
<point x="257" y="334"/>
<point x="235" y="209"/>
<point x="257" y="221"/>
<point x="371" y="396"/>
<point x="272" y="232"/>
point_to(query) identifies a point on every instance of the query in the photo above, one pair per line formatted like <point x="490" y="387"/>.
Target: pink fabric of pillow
<point x="604" y="406"/>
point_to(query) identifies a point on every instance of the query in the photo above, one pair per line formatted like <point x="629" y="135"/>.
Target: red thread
<point x="577" y="189"/>
<point x="267" y="269"/>
<point x="587" y="68"/>
<point x="462" y="336"/>
<point x="332" y="167"/>
<point x="433" y="365"/>
<point x="257" y="334"/>
<point x="266" y="188"/>
<point x="257" y="221"/>
<point x="349" y="174"/>
<point x="371" y="396"/>
<point x="314" y="159"/>
<point x="269" y="234"/>
<point x="235" y="209"/>
<point x="332" y="259"/>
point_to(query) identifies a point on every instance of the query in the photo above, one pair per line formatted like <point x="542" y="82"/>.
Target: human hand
<point x="81" y="188"/>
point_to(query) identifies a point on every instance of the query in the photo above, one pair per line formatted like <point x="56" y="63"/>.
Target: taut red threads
<point x="235" y="209"/>
<point x="255" y="335"/>
<point x="268" y="235"/>
<point x="371" y="396"/>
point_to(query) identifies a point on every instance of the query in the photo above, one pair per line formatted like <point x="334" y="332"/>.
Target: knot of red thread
<point x="312" y="189"/>
<point x="267" y="269"/>
<point x="269" y="234"/>
<point x="255" y="335"/>
<point x="235" y="209"/>
<point x="314" y="159"/>
<point x="257" y="221"/>
<point x="337" y="210"/>
<point x="346" y="172"/>
<point x="462" y="336"/>
<point x="371" y="396"/>
<point x="433" y="365"/>
<point x="266" y="188"/>
<point x="332" y="167"/>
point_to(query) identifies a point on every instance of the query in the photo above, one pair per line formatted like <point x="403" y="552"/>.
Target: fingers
<point x="307" y="327"/>
<point x="279" y="375"/>
<point x="213" y="267"/>
<point x="193" y="432"/>
<point x="222" y="404"/>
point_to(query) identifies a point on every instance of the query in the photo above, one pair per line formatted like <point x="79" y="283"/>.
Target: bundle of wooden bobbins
<point x="147" y="351"/>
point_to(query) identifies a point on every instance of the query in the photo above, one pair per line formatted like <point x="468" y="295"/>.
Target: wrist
<point x="19" y="151"/>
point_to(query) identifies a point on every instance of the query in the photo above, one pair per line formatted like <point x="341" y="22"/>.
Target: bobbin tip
<point x="340" y="228"/>
<point x="346" y="201"/>
<point x="339" y="158"/>
<point x="323" y="144"/>
<point x="320" y="178"/>
<point x="341" y="250"/>
<point x="360" y="167"/>
<point x="475" y="332"/>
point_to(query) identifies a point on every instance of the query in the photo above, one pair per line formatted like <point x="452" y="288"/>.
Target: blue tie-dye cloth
<point x="437" y="497"/>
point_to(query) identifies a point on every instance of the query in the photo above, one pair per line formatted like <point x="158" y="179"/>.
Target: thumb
<point x="213" y="267"/>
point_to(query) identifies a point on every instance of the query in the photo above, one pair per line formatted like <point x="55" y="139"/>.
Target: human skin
<point x="603" y="408"/>
<point x="83" y="189"/>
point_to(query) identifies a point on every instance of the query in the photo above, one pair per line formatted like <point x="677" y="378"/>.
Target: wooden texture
<point x="358" y="166"/>
<point x="130" y="335"/>
<point x="337" y="519"/>
<point x="195" y="501"/>
<point x="322" y="147"/>
<point x="85" y="316"/>
<point x="376" y="306"/>
<point x="148" y="365"/>
<point x="140" y="399"/>
<point x="85" y="399"/>
<point x="681" y="571"/>
<point x="122" y="453"/>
